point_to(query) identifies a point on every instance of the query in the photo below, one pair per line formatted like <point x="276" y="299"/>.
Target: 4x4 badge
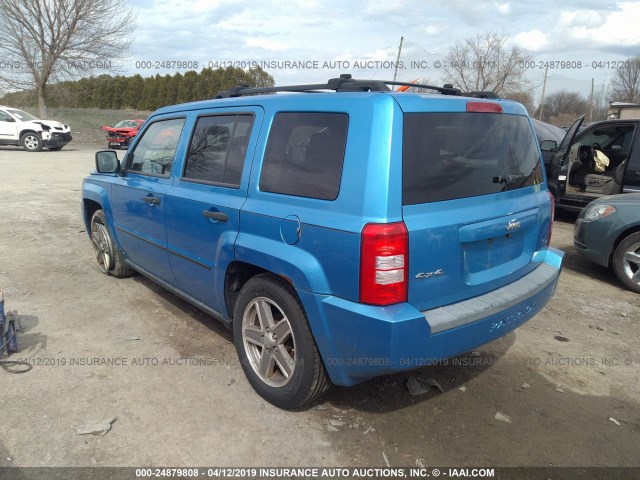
<point x="513" y="225"/>
<point x="430" y="274"/>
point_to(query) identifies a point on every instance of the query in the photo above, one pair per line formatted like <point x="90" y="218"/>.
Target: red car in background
<point x="120" y="135"/>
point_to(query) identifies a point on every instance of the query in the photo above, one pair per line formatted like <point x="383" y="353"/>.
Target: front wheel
<point x="275" y="345"/>
<point x="626" y="262"/>
<point x="109" y="258"/>
<point x="31" y="142"/>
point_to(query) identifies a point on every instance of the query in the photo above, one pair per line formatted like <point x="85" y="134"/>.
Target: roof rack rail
<point x="446" y="89"/>
<point x="344" y="83"/>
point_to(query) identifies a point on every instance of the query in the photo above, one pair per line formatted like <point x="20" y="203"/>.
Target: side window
<point x="624" y="142"/>
<point x="218" y="148"/>
<point x="4" y="117"/>
<point x="305" y="153"/>
<point x="156" y="150"/>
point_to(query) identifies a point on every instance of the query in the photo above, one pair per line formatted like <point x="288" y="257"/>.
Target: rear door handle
<point x="151" y="200"/>
<point x="219" y="216"/>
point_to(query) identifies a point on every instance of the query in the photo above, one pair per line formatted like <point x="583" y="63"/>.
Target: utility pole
<point x="395" y="73"/>
<point x="591" y="102"/>
<point x="544" y="89"/>
<point x="599" y="102"/>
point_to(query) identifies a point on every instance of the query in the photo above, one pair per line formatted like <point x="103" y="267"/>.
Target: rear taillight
<point x="384" y="260"/>
<point x="553" y="214"/>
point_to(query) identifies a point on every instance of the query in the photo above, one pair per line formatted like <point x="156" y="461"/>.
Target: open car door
<point x="562" y="169"/>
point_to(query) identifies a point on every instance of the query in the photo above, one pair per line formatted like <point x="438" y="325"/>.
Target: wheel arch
<point x="238" y="273"/>
<point x="29" y="130"/>
<point x="89" y="207"/>
<point x="254" y="255"/>
<point x="95" y="197"/>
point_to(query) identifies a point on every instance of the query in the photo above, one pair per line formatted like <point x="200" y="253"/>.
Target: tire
<point x="626" y="262"/>
<point x="293" y="373"/>
<point x="31" y="142"/>
<point x="110" y="260"/>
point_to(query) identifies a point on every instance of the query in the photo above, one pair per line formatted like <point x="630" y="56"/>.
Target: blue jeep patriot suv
<point x="342" y="234"/>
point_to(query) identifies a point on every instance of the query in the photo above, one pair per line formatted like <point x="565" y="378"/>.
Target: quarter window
<point x="305" y="153"/>
<point x="218" y="149"/>
<point x="155" y="152"/>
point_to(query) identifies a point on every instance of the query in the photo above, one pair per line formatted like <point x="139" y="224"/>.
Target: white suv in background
<point x="21" y="128"/>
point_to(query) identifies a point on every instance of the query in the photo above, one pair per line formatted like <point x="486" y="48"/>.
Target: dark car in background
<point x="607" y="231"/>
<point x="549" y="137"/>
<point x="575" y="179"/>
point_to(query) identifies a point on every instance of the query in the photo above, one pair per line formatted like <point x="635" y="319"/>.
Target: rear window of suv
<point x="457" y="155"/>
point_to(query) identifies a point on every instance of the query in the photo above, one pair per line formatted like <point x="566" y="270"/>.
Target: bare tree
<point x="51" y="40"/>
<point x="524" y="97"/>
<point x="487" y="62"/>
<point x="563" y="107"/>
<point x="625" y="84"/>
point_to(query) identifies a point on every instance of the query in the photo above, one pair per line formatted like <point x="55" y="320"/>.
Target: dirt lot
<point x="180" y="398"/>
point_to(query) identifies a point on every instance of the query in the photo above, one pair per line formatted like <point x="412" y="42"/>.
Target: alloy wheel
<point x="102" y="246"/>
<point x="631" y="263"/>
<point x="268" y="341"/>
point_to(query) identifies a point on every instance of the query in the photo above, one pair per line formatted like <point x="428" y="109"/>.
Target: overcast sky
<point x="369" y="31"/>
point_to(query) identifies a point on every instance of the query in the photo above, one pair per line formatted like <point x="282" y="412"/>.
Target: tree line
<point x="141" y="93"/>
<point x="562" y="107"/>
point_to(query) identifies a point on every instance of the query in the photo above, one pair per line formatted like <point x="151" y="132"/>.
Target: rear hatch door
<point x="474" y="200"/>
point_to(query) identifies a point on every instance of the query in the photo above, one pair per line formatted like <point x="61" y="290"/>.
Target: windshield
<point x="24" y="116"/>
<point x="458" y="155"/>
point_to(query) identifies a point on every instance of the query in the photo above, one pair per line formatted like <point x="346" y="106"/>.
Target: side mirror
<point x="616" y="148"/>
<point x="548" y="145"/>
<point x="10" y="119"/>
<point x="107" y="162"/>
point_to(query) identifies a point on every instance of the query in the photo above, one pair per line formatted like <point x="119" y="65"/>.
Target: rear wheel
<point x="626" y="262"/>
<point x="275" y="345"/>
<point x="110" y="260"/>
<point x="31" y="142"/>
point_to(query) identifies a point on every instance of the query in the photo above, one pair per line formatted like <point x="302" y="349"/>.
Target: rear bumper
<point x="118" y="140"/>
<point x="358" y="342"/>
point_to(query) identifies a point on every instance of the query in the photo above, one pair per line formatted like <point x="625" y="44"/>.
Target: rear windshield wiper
<point x="508" y="179"/>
